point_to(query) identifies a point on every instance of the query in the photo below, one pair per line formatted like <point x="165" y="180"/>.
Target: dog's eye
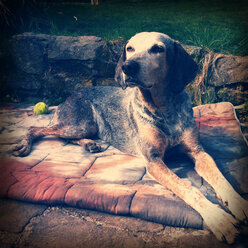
<point x="156" y="49"/>
<point x="130" y="49"/>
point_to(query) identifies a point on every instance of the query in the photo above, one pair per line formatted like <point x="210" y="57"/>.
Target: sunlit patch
<point x="118" y="168"/>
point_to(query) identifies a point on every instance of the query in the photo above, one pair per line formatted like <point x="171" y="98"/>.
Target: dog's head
<point x="151" y="58"/>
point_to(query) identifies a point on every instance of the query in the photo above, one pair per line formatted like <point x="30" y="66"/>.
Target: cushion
<point x="59" y="173"/>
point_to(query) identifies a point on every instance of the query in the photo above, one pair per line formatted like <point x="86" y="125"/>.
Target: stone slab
<point x="74" y="227"/>
<point x="14" y="215"/>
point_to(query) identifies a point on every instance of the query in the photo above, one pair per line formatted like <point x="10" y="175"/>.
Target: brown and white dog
<point x="146" y="119"/>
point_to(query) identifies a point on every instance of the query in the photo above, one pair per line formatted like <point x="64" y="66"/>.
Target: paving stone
<point x="15" y="215"/>
<point x="132" y="224"/>
<point x="8" y="240"/>
<point x="65" y="230"/>
<point x="72" y="227"/>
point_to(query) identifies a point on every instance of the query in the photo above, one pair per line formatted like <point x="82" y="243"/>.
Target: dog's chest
<point x="127" y="124"/>
<point x="168" y="125"/>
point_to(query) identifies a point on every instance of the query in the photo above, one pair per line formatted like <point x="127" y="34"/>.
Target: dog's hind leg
<point x="86" y="130"/>
<point x="88" y="144"/>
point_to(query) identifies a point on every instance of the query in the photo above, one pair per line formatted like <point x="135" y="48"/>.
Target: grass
<point x="219" y="25"/>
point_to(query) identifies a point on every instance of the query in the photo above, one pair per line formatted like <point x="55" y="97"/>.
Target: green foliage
<point x="246" y="104"/>
<point x="208" y="96"/>
<point x="16" y="14"/>
<point x="242" y="113"/>
<point x="218" y="25"/>
<point x="223" y="94"/>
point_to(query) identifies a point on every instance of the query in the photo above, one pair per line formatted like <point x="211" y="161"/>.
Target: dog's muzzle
<point x="129" y="82"/>
<point x="130" y="70"/>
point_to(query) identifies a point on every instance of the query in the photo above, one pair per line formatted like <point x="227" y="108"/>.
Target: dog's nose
<point x="130" y="68"/>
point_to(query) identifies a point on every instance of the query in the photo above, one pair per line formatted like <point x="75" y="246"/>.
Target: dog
<point x="149" y="115"/>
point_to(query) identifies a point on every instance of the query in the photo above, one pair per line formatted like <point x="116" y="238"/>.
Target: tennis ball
<point x="40" y="108"/>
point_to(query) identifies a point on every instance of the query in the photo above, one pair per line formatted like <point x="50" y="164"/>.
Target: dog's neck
<point x="155" y="99"/>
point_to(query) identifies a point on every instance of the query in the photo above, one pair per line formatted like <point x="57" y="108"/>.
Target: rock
<point x="25" y="83"/>
<point x="116" y="47"/>
<point x="78" y="55"/>
<point x="228" y="69"/>
<point x="236" y="95"/>
<point x="29" y="52"/>
<point x="73" y="227"/>
<point x="220" y="78"/>
<point x="69" y="231"/>
<point x="197" y="53"/>
<point x="105" y="82"/>
<point x="79" y="48"/>
<point x="14" y="216"/>
<point x="51" y="66"/>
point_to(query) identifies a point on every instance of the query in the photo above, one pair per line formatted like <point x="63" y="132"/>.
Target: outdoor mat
<point x="60" y="173"/>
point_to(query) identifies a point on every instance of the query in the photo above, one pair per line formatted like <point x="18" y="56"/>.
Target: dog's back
<point x="108" y="107"/>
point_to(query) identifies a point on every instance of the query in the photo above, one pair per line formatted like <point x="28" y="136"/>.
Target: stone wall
<point x="52" y="67"/>
<point x="220" y="78"/>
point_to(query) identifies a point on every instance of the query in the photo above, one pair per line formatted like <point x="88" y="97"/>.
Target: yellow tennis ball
<point x="40" y="108"/>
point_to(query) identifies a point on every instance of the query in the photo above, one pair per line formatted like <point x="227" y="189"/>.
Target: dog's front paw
<point x="222" y="224"/>
<point x="239" y="207"/>
<point x="22" y="149"/>
<point x="93" y="147"/>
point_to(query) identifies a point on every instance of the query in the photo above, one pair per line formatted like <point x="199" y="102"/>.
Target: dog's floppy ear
<point x="184" y="68"/>
<point x="118" y="71"/>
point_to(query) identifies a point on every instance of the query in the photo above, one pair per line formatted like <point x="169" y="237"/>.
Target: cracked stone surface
<point x="59" y="173"/>
<point x="14" y="216"/>
<point x="45" y="226"/>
